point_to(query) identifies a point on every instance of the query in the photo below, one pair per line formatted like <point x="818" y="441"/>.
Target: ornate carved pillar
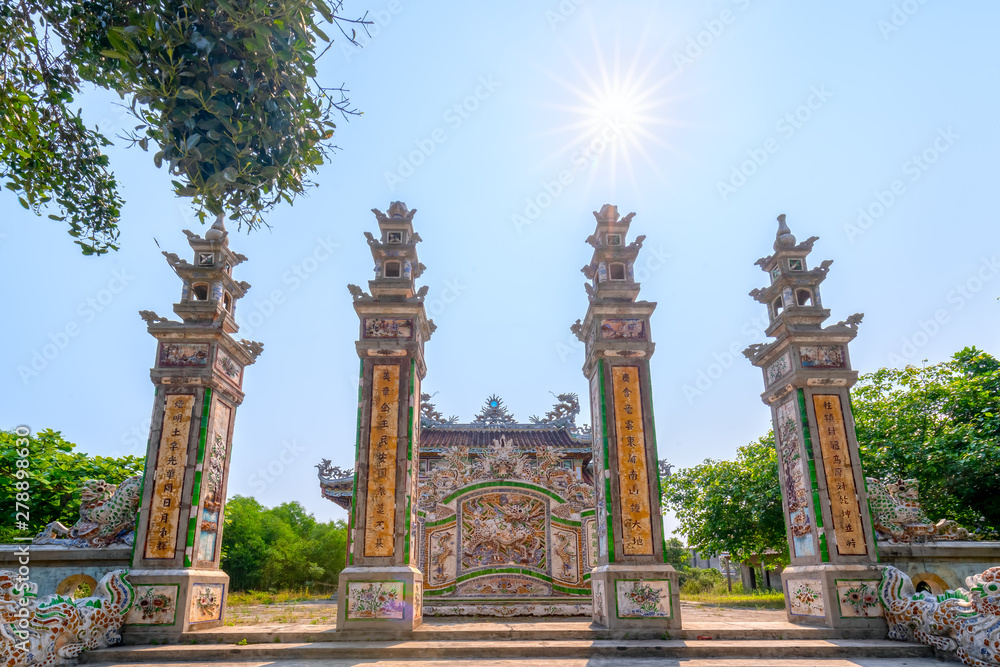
<point x="633" y="587"/>
<point x="807" y="372"/>
<point x="198" y="375"/>
<point x="381" y="587"/>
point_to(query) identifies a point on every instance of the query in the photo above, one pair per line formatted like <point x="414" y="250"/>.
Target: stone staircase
<point x="517" y="640"/>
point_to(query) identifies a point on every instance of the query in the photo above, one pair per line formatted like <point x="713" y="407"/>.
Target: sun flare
<point x="617" y="110"/>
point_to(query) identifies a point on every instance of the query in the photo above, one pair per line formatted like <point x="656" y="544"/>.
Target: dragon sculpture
<point x="965" y="621"/>
<point x="57" y="629"/>
<point x="107" y="516"/>
<point x="898" y="517"/>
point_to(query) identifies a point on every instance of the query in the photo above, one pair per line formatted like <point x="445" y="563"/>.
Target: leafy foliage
<point x="225" y="88"/>
<point x="939" y="424"/>
<point x="280" y="548"/>
<point x="55" y="475"/>
<point x="731" y="506"/>
<point x="47" y="155"/>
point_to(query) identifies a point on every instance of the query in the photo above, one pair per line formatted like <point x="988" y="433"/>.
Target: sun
<point x="617" y="107"/>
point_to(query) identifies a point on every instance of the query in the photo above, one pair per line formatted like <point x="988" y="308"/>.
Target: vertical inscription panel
<point x="168" y="477"/>
<point x="633" y="478"/>
<point x="839" y="475"/>
<point x="380" y="504"/>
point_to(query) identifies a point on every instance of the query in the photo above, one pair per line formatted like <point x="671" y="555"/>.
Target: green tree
<point x="225" y="88"/>
<point x="732" y="506"/>
<point x="676" y="553"/>
<point x="280" y="548"/>
<point x="939" y="424"/>
<point x="54" y="474"/>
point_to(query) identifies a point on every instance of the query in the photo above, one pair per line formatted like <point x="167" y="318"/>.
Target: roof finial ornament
<point x="218" y="231"/>
<point x="784" y="236"/>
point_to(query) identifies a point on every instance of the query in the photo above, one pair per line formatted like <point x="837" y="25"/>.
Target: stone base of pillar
<point x="636" y="596"/>
<point x="169" y="602"/>
<point x="834" y="596"/>
<point x="379" y="598"/>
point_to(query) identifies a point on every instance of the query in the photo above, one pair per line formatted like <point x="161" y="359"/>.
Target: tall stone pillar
<point x="381" y="587"/>
<point x="807" y="377"/>
<point x="198" y="375"/>
<point x="633" y="586"/>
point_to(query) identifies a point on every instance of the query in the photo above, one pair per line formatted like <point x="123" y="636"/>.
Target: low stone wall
<point x="941" y="565"/>
<point x="59" y="570"/>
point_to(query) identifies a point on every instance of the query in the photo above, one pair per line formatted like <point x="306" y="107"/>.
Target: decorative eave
<point x="244" y="351"/>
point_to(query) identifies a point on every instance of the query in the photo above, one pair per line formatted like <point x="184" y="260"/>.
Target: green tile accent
<point x="203" y="435"/>
<point x="196" y="489"/>
<point x="409" y="458"/>
<point x="441" y="591"/>
<point x="566" y="522"/>
<point x="814" y="484"/>
<point x="440" y="522"/>
<point x="357" y="457"/>
<point x="607" y="478"/>
<point x="586" y="513"/>
<point x="482" y="485"/>
<point x="871" y="521"/>
<point x="648" y="378"/>
<point x="504" y="570"/>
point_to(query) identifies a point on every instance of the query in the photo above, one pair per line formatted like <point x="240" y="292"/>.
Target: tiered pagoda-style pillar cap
<point x="793" y="298"/>
<point x="611" y="268"/>
<point x="395" y="255"/>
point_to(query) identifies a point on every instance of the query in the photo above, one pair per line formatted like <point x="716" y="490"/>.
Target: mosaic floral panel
<point x="597" y="419"/>
<point x="418" y="600"/>
<point x="822" y="356"/>
<point x="619" y="329"/>
<point x="503" y="528"/>
<point x="600" y="599"/>
<point x="643" y="598"/>
<point x="215" y="470"/>
<point x="805" y="597"/>
<point x="566" y="555"/>
<point x="503" y="585"/>
<point x="154" y="605"/>
<point x="590" y="539"/>
<point x="507" y="610"/>
<point x="206" y="602"/>
<point x="181" y="355"/>
<point x="859" y="599"/>
<point x="376" y="600"/>
<point x="441" y="556"/>
<point x="382" y="327"/>
<point x="230" y="370"/>
<point x="778" y="368"/>
<point x="794" y="478"/>
<point x="168" y="477"/>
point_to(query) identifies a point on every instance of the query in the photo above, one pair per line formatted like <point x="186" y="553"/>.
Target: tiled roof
<point x="479" y="436"/>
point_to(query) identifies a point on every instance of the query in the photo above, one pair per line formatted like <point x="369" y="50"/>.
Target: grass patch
<point x="248" y="598"/>
<point x="757" y="599"/>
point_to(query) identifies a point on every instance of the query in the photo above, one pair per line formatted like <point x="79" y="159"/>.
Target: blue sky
<point x="870" y="124"/>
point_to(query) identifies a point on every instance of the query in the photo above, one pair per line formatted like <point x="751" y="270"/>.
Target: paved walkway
<point x="589" y="662"/>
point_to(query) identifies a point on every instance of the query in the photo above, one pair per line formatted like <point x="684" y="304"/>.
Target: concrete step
<point x="495" y="629"/>
<point x="512" y="649"/>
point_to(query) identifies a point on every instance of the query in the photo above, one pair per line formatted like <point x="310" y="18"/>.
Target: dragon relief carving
<point x="898" y="517"/>
<point x="252" y="347"/>
<point x="107" y="516"/>
<point x="56" y="630"/>
<point x="562" y="413"/>
<point x="965" y="621"/>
